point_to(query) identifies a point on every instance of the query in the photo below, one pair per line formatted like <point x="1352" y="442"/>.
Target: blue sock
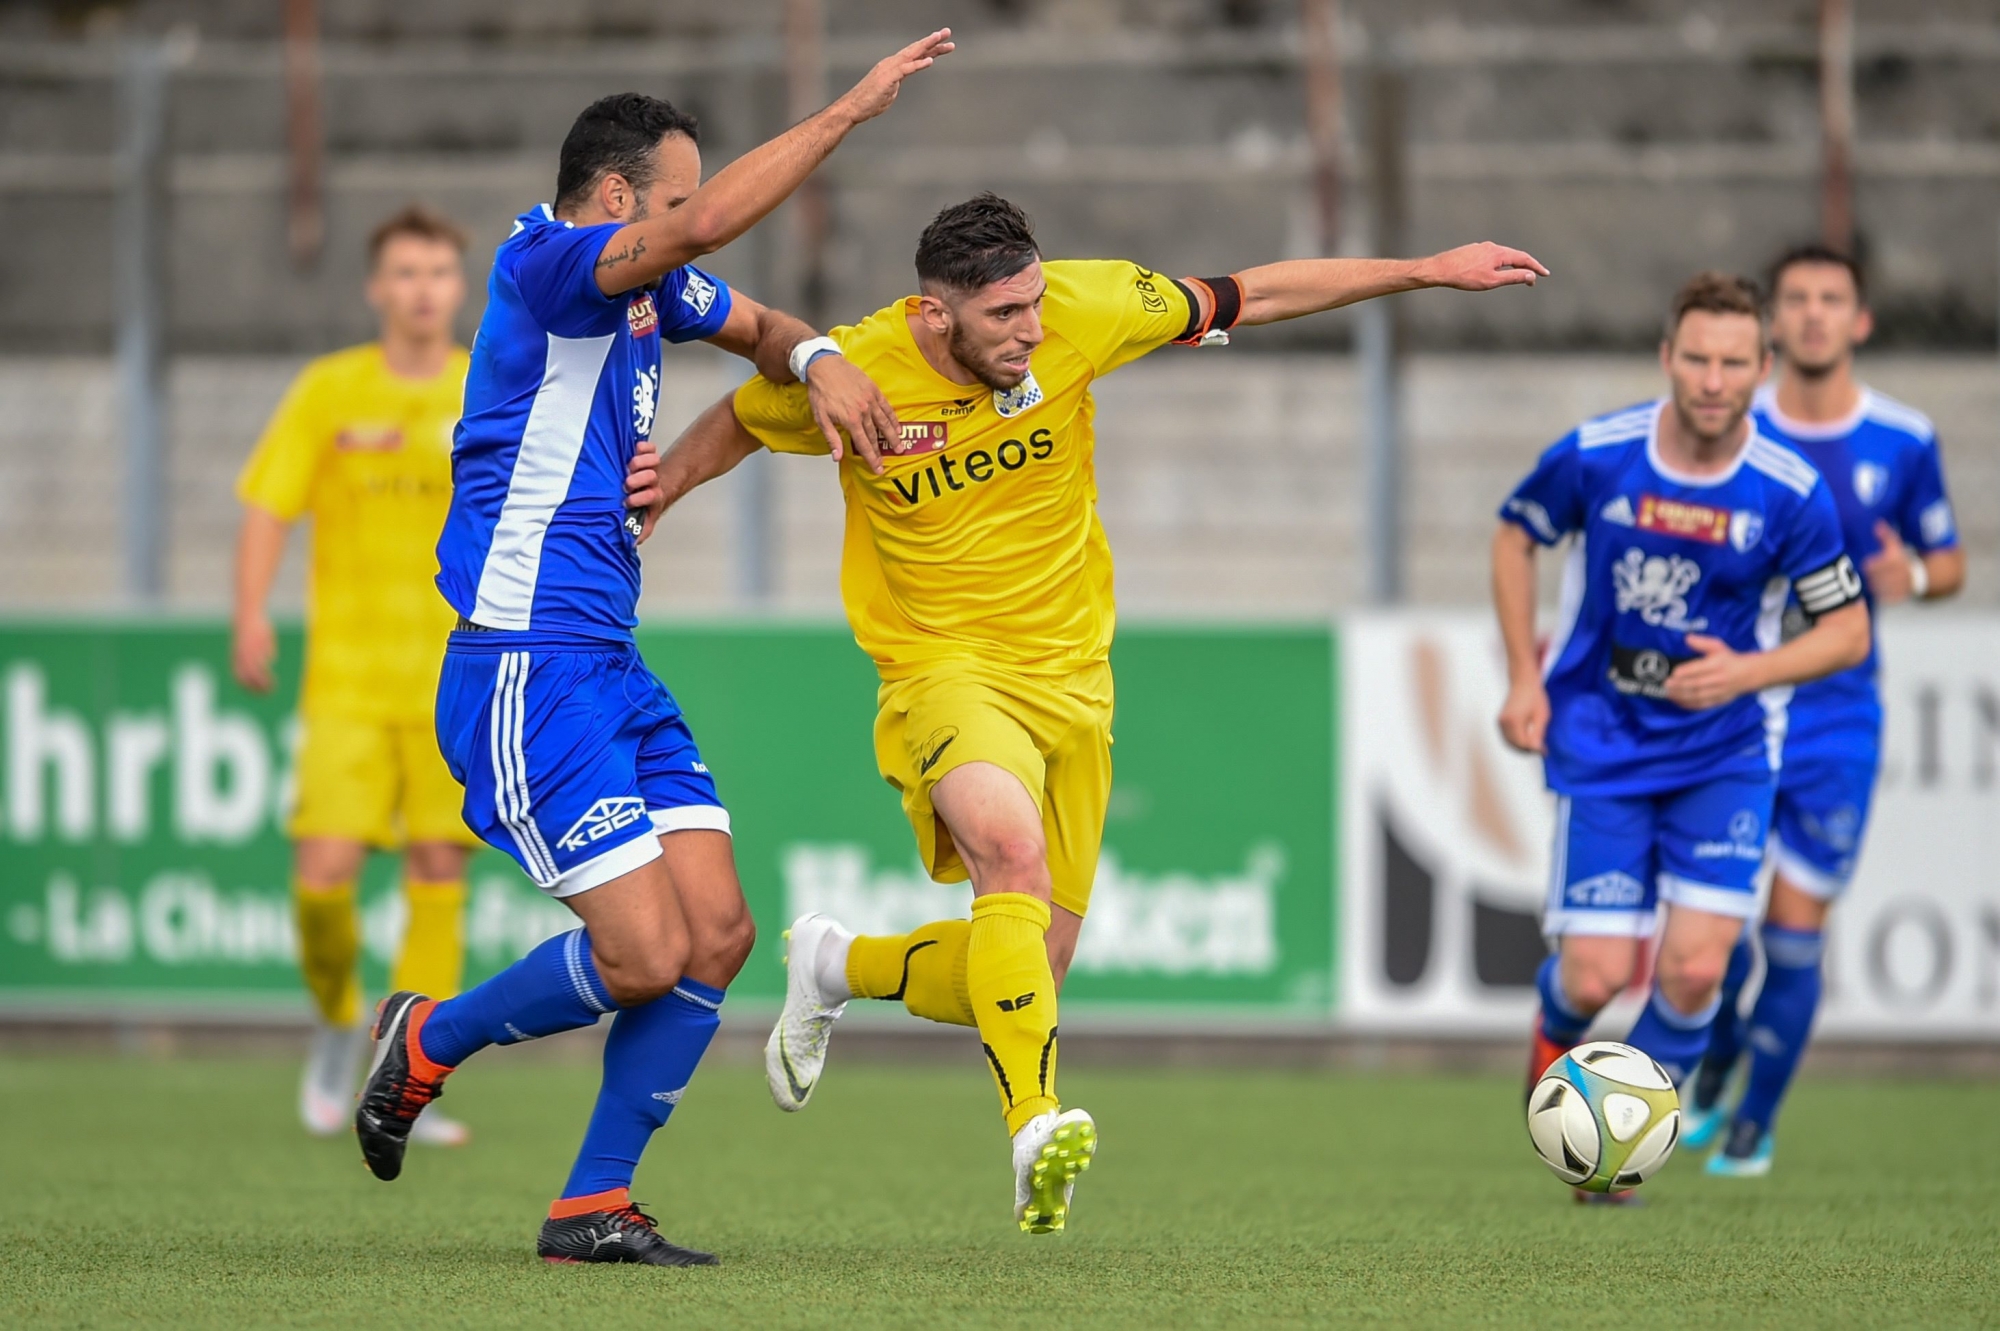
<point x="1560" y="1022"/>
<point x="1725" y="1041"/>
<point x="554" y="988"/>
<point x="1782" y="1021"/>
<point x="648" y="1058"/>
<point x="1675" y="1039"/>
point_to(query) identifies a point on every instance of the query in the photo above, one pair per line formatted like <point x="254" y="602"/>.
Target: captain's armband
<point x="1829" y="587"/>
<point x="1225" y="307"/>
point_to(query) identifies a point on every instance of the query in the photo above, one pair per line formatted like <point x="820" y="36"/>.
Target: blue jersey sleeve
<point x="1813" y="554"/>
<point x="1550" y="503"/>
<point x="693" y="305"/>
<point x="1925" y="520"/>
<point x="556" y="270"/>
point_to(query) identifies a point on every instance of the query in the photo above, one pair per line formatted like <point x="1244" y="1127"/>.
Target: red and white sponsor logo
<point x="369" y="439"/>
<point x="923" y="437"/>
<point x="1677" y="517"/>
<point x="642" y="316"/>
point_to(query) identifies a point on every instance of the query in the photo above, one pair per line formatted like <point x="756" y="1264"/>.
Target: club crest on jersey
<point x="1677" y="517"/>
<point x="1870" y="480"/>
<point x="1746" y="528"/>
<point x="924" y="437"/>
<point x="604" y="818"/>
<point x="1655" y="587"/>
<point x="1021" y="397"/>
<point x="642" y="316"/>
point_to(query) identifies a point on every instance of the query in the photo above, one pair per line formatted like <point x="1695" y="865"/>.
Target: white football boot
<point x="1048" y="1155"/>
<point x="326" y="1090"/>
<point x="432" y="1128"/>
<point x="795" y="1055"/>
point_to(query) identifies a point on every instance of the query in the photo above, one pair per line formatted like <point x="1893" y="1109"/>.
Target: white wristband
<point x="1920" y="578"/>
<point x="805" y="352"/>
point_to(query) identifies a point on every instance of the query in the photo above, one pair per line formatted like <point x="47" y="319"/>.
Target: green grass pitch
<point x="138" y="1193"/>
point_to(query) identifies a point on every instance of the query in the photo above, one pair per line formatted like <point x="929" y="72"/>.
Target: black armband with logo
<point x="1225" y="306"/>
<point x="1828" y="588"/>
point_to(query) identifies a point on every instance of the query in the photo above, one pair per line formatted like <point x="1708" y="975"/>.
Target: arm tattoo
<point x="627" y="253"/>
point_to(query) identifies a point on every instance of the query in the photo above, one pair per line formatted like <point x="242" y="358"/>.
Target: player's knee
<point x="726" y="949"/>
<point x="1690" y="980"/>
<point x="1589" y="988"/>
<point x="642" y="974"/>
<point x="1016" y="863"/>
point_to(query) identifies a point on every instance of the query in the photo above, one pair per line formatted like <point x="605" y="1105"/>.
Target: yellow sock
<point x="1013" y="995"/>
<point x="329" y="947"/>
<point x="432" y="960"/>
<point x="923" y="969"/>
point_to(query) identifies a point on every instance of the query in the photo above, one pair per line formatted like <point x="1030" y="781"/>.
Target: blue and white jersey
<point x="564" y="384"/>
<point x="1659" y="555"/>
<point x="1881" y="464"/>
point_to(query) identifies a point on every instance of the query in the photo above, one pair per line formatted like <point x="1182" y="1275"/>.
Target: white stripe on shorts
<point x="510" y="768"/>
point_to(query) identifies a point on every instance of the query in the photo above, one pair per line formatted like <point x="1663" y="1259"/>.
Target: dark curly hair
<point x="985" y="239"/>
<point x="616" y="133"/>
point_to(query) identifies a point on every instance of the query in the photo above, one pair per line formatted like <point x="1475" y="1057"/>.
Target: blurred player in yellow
<point x="977" y="575"/>
<point x="361" y="444"/>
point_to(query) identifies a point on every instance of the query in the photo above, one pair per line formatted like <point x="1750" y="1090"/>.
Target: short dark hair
<point x="1714" y="293"/>
<point x="1814" y="252"/>
<point x="617" y="133"/>
<point x="414" y="219"/>
<point x="985" y="239"/>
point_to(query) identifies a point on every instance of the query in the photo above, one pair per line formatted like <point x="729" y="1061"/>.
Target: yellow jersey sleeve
<point x="1112" y="310"/>
<point x="780" y="416"/>
<point x="279" y="476"/>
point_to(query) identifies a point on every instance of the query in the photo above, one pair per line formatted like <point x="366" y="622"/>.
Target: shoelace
<point x="631" y="1216"/>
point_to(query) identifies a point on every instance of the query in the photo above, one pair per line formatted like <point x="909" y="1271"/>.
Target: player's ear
<point x="934" y="312"/>
<point x="1864" y="325"/>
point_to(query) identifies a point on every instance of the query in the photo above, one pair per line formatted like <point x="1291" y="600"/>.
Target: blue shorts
<point x="1821" y="814"/>
<point x="574" y="761"/>
<point x="1618" y="856"/>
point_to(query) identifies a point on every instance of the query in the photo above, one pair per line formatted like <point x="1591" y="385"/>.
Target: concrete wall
<point x="1231" y="483"/>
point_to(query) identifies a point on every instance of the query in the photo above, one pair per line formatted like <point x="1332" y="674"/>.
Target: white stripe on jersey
<point x="1899" y="416"/>
<point x="1618" y="428"/>
<point x="543" y="468"/>
<point x="1781" y="464"/>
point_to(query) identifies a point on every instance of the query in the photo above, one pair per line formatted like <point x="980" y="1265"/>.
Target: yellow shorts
<point x="1054" y="734"/>
<point x="384" y="783"/>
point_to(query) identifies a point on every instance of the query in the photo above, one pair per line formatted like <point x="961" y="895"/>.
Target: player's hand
<point x="1524" y="717"/>
<point x="642" y="488"/>
<point x="253" y="646"/>
<point x="1718" y="675"/>
<point x="872" y="96"/>
<point x="1482" y="267"/>
<point x="843" y="398"/>
<point x="1888" y="569"/>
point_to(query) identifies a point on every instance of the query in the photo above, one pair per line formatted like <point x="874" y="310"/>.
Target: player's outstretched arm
<point x="1838" y="640"/>
<point x="739" y="195"/>
<point x="253" y="644"/>
<point x="708" y="448"/>
<point x="1524" y="717"/>
<point x="1297" y="287"/>
<point x="842" y="397"/>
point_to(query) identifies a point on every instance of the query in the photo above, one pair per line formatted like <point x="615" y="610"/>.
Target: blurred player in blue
<point x="1879" y="459"/>
<point x="575" y="759"/>
<point x="1662" y="707"/>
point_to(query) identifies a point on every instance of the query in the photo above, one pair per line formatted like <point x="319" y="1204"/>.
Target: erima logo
<point x="671" y="1097"/>
<point x="698" y="294"/>
<point x="1021" y="397"/>
<point x="1016" y="1004"/>
<point x="604" y="818"/>
<point x="978" y="466"/>
<point x="963" y="406"/>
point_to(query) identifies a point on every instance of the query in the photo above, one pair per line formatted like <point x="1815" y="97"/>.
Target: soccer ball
<point x="1604" y="1117"/>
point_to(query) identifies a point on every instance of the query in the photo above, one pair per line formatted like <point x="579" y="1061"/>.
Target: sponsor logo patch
<point x="642" y="316"/>
<point x="924" y="437"/>
<point x="698" y="294"/>
<point x="604" y="818"/>
<point x="1606" y="889"/>
<point x="1677" y="517"/>
<point x="369" y="439"/>
<point x="1655" y="587"/>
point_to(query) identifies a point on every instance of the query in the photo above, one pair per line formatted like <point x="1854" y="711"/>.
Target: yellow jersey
<point x="367" y="454"/>
<point x="982" y="541"/>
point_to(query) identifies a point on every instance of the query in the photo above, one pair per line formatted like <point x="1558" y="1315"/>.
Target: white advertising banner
<point x="1445" y="838"/>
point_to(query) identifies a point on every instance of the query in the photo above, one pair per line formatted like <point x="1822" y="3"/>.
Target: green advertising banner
<point x="142" y="800"/>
